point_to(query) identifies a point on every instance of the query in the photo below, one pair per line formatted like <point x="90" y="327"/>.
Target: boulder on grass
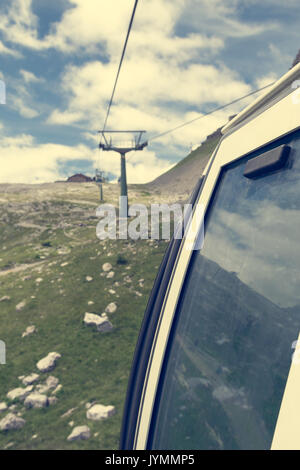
<point x="19" y="393"/>
<point x="30" y="379"/>
<point x="106" y="267"/>
<point x="101" y="323"/>
<point x="49" y="362"/>
<point x="36" y="400"/>
<point x="111" y="308"/>
<point x="80" y="432"/>
<point x="10" y="422"/>
<point x="97" y="412"/>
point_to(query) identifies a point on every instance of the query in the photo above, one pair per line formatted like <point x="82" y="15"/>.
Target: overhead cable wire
<point x="208" y="113"/>
<point x="117" y="76"/>
<point x="121" y="62"/>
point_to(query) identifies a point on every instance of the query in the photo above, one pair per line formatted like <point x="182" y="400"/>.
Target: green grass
<point x="94" y="366"/>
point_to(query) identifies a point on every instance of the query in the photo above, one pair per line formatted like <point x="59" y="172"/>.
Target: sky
<point x="59" y="61"/>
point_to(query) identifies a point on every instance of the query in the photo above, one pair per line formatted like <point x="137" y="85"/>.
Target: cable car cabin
<point x="216" y="364"/>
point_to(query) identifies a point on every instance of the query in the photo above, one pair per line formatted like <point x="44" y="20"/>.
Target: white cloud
<point x="30" y="77"/>
<point x="7" y="51"/>
<point x="23" y="160"/>
<point x="141" y="167"/>
<point x="161" y="76"/>
<point x="65" y="117"/>
<point x="153" y="99"/>
<point x="216" y="15"/>
<point x="266" y="80"/>
<point x="84" y="26"/>
<point x="21" y="101"/>
<point x="257" y="245"/>
<point x="19" y="25"/>
<point x="162" y="83"/>
<point x="21" y="96"/>
<point x="23" y="110"/>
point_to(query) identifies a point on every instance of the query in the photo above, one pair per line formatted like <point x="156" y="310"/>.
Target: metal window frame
<point x="147" y="332"/>
<point x="274" y="123"/>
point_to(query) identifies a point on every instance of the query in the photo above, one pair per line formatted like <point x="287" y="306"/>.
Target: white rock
<point x="19" y="393"/>
<point x="36" y="400"/>
<point x="92" y="319"/>
<point x="112" y="291"/>
<point x="20" y="305"/>
<point x="30" y="379"/>
<point x="50" y="383"/>
<point x="49" y="362"/>
<point x="68" y="413"/>
<point x="29" y="330"/>
<point x="88" y="278"/>
<point x="63" y="251"/>
<point x="110" y="275"/>
<point x="98" y="412"/>
<point x="90" y="302"/>
<point x="102" y="323"/>
<point x="57" y="389"/>
<point x="4" y="298"/>
<point x="3" y="407"/>
<point x="38" y="280"/>
<point x="10" y="444"/>
<point x="64" y="264"/>
<point x="11" y="421"/>
<point x="80" y="432"/>
<point x="106" y="267"/>
<point x="111" y="308"/>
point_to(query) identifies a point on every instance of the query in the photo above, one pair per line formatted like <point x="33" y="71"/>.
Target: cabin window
<point x="230" y="349"/>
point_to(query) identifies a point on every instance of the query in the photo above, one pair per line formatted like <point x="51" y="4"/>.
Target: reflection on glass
<point x="238" y="316"/>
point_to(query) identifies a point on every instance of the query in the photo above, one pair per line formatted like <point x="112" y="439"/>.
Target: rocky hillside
<point x="182" y="177"/>
<point x="71" y="306"/>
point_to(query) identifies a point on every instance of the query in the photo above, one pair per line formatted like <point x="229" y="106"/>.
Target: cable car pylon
<point x="99" y="179"/>
<point x="122" y="148"/>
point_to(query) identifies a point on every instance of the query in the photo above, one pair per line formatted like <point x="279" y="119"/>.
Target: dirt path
<point x="29" y="225"/>
<point x="81" y="201"/>
<point x="21" y="267"/>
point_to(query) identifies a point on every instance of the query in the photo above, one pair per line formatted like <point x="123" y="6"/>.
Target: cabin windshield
<point x="231" y="344"/>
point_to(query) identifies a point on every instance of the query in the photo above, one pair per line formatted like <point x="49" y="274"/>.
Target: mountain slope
<point x="182" y="177"/>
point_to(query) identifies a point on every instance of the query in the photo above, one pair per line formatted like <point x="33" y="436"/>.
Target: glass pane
<point x="237" y="319"/>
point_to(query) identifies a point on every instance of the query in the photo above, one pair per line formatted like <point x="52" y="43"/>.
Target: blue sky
<point x="59" y="60"/>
